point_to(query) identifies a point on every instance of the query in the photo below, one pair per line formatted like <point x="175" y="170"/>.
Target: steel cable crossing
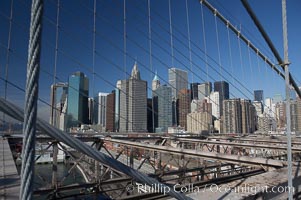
<point x="128" y="55"/>
<point x="15" y="112"/>
<point x="31" y="99"/>
<point x="202" y="79"/>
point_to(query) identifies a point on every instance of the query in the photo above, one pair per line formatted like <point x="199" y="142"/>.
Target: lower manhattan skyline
<point x="162" y="58"/>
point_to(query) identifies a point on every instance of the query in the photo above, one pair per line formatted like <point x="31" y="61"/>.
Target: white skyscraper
<point x="178" y="79"/>
<point x="269" y="107"/>
<point x="100" y="109"/>
<point x="204" y="90"/>
<point x="214" y="100"/>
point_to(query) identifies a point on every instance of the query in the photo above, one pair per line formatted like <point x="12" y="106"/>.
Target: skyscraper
<point x="215" y="101"/>
<point x="100" y="109"/>
<point x="222" y="87"/>
<point x="110" y="112"/>
<point x="204" y="90"/>
<point x="133" y="103"/>
<point x="91" y="110"/>
<point x="183" y="106"/>
<point x="194" y="90"/>
<point x="248" y="116"/>
<point x="280" y="114"/>
<point x="258" y="107"/>
<point x="258" y="95"/>
<point x="164" y="98"/>
<point x="117" y="105"/>
<point x="277" y="98"/>
<point x="77" y="106"/>
<point x="232" y="120"/>
<point x="152" y="119"/>
<point x="178" y="79"/>
<point x="269" y="107"/>
<point x="155" y="82"/>
<point x="58" y="98"/>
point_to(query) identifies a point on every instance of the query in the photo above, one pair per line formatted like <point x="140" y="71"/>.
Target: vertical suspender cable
<point x="124" y="38"/>
<point x="124" y="46"/>
<point x="240" y="56"/>
<point x="53" y="118"/>
<point x="218" y="48"/>
<point x="56" y="41"/>
<point x="172" y="58"/>
<point x="170" y="32"/>
<point x="150" y="58"/>
<point x="222" y="94"/>
<point x="93" y="61"/>
<point x="8" y="51"/>
<point x="31" y="98"/>
<point x="230" y="54"/>
<point x="189" y="44"/>
<point x="204" y="41"/>
<point x="288" y="113"/>
<point x="250" y="63"/>
<point x="53" y="108"/>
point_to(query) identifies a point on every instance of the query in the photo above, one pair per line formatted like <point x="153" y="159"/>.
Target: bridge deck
<point x="9" y="177"/>
<point x="269" y="185"/>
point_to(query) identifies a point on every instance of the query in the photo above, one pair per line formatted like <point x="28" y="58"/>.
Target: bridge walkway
<point x="9" y="177"/>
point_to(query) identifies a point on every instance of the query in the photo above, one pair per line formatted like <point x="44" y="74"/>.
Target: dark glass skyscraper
<point x="194" y="90"/>
<point x="77" y="106"/>
<point x="222" y="87"/>
<point x="163" y="95"/>
<point x="258" y="95"/>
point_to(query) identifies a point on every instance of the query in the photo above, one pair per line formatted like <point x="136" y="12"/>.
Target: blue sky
<point x="75" y="52"/>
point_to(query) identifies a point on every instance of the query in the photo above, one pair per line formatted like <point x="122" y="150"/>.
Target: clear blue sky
<point x="75" y="43"/>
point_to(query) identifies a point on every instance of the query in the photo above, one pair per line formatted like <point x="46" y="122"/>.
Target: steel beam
<point x="215" y="156"/>
<point x="259" y="140"/>
<point x="248" y="145"/>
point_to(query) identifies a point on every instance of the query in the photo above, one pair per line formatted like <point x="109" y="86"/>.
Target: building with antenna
<point x="155" y="82"/>
<point x="133" y="103"/>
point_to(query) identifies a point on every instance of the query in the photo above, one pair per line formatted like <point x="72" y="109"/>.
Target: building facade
<point x="77" y="106"/>
<point x="232" y="121"/>
<point x="58" y="97"/>
<point x="248" y="116"/>
<point x="215" y="101"/>
<point x="194" y="90"/>
<point x="133" y="103"/>
<point x="178" y="79"/>
<point x="204" y="90"/>
<point x="198" y="122"/>
<point x="100" y="109"/>
<point x="183" y="106"/>
<point x="258" y="95"/>
<point x="117" y="106"/>
<point x="110" y="112"/>
<point x="164" y="100"/>
<point x="222" y="87"/>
